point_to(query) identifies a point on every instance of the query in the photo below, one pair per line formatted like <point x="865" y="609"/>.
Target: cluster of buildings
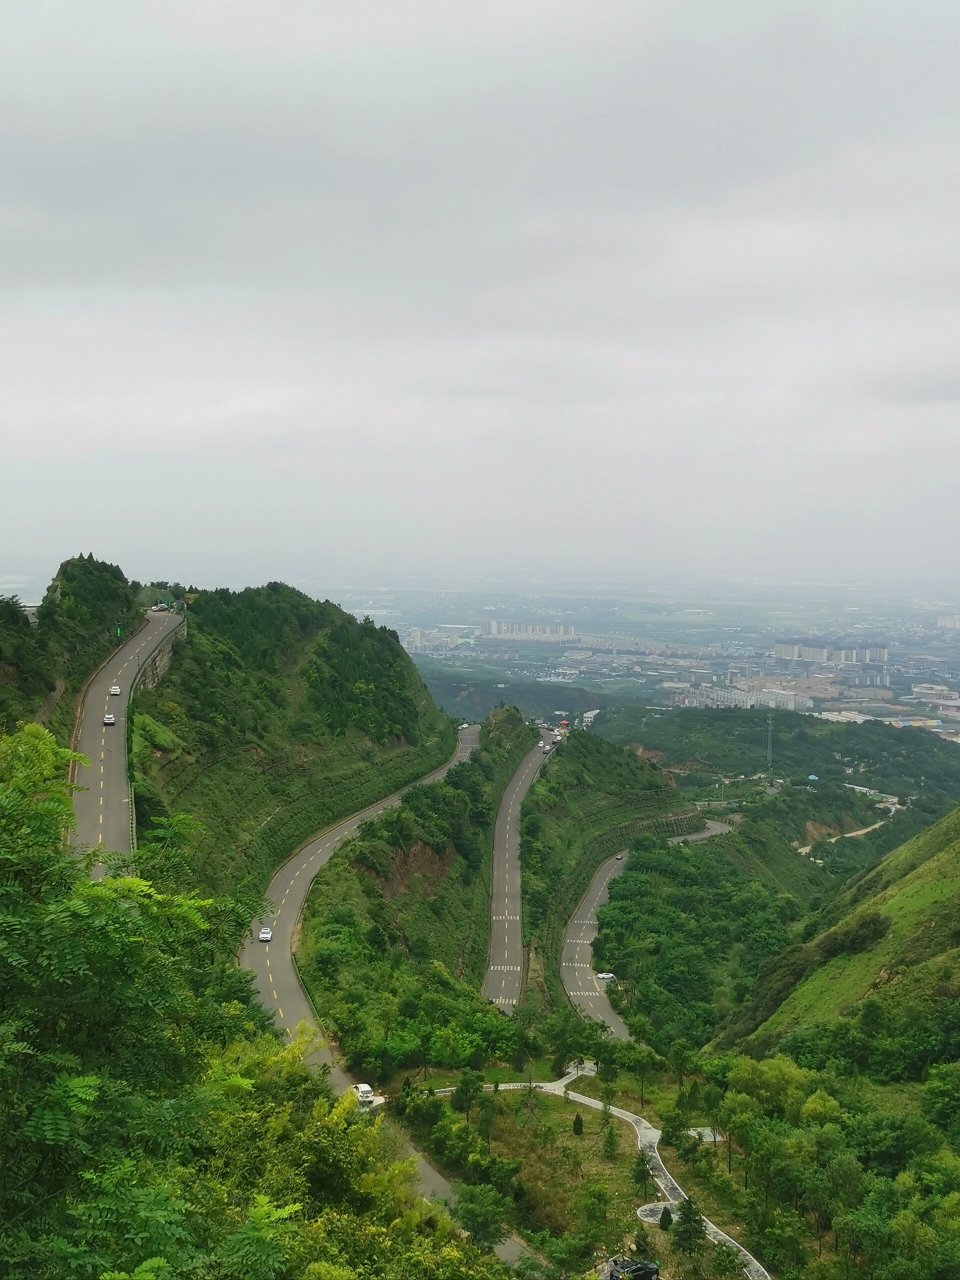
<point x="527" y="632"/>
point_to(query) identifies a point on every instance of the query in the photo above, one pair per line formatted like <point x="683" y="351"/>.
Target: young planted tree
<point x="482" y="1211"/>
<point x="611" y="1143"/>
<point x="689" y="1232"/>
<point x="641" y="1172"/>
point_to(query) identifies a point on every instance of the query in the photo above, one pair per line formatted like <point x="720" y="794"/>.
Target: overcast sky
<point x="422" y="290"/>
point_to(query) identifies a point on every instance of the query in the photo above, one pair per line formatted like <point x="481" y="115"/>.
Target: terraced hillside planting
<point x="280" y="715"/>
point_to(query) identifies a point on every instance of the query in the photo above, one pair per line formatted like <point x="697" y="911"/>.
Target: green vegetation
<point x="703" y="747"/>
<point x="43" y="667"/>
<point x="517" y="1152"/>
<point x="470" y="690"/>
<point x="873" y="985"/>
<point x="396" y="927"/>
<point x="585" y="805"/>
<point x="829" y="1180"/>
<point x="687" y="931"/>
<point x="280" y="715"/>
<point x="152" y="1127"/>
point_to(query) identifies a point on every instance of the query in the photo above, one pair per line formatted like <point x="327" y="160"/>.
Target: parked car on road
<point x="364" y="1093"/>
<point x="606" y="977"/>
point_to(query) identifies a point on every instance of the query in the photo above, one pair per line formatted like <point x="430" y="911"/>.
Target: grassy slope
<point x="917" y="888"/>
<point x="280" y="715"/>
<point x="588" y="802"/>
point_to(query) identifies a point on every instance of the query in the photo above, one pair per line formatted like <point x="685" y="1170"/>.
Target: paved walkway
<point x="648" y="1139"/>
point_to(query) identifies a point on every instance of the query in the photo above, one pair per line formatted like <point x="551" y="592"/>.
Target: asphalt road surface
<point x="504" y="980"/>
<point x="276" y="977"/>
<point x="274" y="971"/>
<point x="711" y="829"/>
<point x="103" y="808"/>
<point x="584" y="989"/>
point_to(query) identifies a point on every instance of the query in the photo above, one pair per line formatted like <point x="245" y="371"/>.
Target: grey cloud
<point x="362" y="269"/>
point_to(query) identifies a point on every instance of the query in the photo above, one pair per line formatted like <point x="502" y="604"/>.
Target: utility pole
<point x="769" y="742"/>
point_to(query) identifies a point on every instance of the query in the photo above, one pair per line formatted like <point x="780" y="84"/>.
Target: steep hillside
<point x="280" y="715"/>
<point x="875" y="984"/>
<point x="397" y="924"/>
<point x="43" y="667"/>
<point x="589" y="801"/>
<point x="153" y="1126"/>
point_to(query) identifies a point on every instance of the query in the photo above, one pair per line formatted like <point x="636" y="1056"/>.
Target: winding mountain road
<point x="584" y="989"/>
<point x="504" y="978"/>
<point x="272" y="963"/>
<point x="102" y="808"/>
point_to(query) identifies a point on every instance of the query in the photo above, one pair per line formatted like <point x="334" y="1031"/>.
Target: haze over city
<point x="432" y="292"/>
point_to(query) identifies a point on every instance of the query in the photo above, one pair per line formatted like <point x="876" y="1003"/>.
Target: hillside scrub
<point x="872" y="986"/>
<point x="152" y="1125"/>
<point x="396" y="926"/>
<point x="280" y="715"/>
<point x="77" y="623"/>
<point x="686" y="931"/>
<point x="710" y="745"/>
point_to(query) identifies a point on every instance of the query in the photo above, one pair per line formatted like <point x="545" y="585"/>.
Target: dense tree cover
<point x="830" y="1180"/>
<point x="733" y="742"/>
<point x="26" y="668"/>
<point x="280" y="715"/>
<point x="151" y="1125"/>
<point x="76" y="629"/>
<point x="686" y="932"/>
<point x="396" y="926"/>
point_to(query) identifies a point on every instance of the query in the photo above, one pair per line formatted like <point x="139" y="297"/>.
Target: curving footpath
<point x="648" y="1139"/>
<point x="503" y="982"/>
<point x="102" y="807"/>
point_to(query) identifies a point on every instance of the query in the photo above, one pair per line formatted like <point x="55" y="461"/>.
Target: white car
<point x="109" y="719"/>
<point x="606" y="977"/>
<point x="265" y="935"/>
<point x="619" y="857"/>
<point x="364" y="1093"/>
<point x="464" y="726"/>
<point x="115" y="691"/>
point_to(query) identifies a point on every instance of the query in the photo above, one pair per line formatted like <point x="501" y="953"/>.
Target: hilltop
<point x="280" y="715"/>
<point x="87" y="610"/>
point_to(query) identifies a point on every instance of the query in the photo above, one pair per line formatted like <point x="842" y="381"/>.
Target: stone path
<point x="648" y="1139"/>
